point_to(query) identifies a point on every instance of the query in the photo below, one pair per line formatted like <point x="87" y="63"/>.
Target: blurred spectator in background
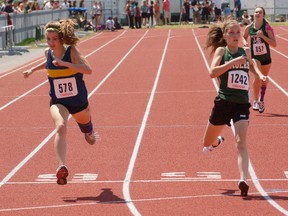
<point x="97" y="8"/>
<point x="7" y="9"/>
<point x="246" y="19"/>
<point x="65" y="4"/>
<point x="56" y="4"/>
<point x="217" y="10"/>
<point x="116" y="23"/>
<point x="81" y="4"/>
<point x="205" y="13"/>
<point x="157" y="11"/>
<point x="138" y="22"/>
<point x="144" y="13"/>
<point x="130" y="15"/>
<point x="74" y="3"/>
<point x="167" y="12"/>
<point x="186" y="11"/>
<point x="238" y="9"/>
<point x="110" y="25"/>
<point x="196" y="7"/>
<point x="282" y="19"/>
<point x="49" y="5"/>
<point x="227" y="11"/>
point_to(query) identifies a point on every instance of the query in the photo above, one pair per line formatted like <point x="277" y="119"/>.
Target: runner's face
<point x="53" y="40"/>
<point x="258" y="13"/>
<point x="232" y="35"/>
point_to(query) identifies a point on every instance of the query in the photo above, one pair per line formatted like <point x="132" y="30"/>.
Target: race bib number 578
<point x="238" y="79"/>
<point x="66" y="87"/>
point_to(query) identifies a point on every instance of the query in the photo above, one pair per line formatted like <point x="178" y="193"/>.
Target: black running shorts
<point x="223" y="111"/>
<point x="72" y="110"/>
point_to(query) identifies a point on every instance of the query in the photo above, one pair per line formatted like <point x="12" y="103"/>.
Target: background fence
<point x="27" y="25"/>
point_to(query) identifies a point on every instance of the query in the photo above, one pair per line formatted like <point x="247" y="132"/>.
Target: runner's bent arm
<point x="79" y="63"/>
<point x="40" y="66"/>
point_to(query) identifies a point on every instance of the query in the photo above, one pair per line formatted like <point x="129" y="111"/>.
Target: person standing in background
<point x="157" y="12"/>
<point x="144" y="13"/>
<point x="167" y="12"/>
<point x="246" y="19"/>
<point x="238" y="9"/>
<point x="218" y="10"/>
<point x="130" y="14"/>
<point x="137" y="16"/>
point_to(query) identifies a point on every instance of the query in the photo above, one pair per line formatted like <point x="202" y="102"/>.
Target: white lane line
<point x="43" y="143"/>
<point x="23" y="95"/>
<point x="73" y="202"/>
<point x="31" y="90"/>
<point x="251" y="169"/>
<point x="21" y="67"/>
<point x="129" y="172"/>
<point x="282" y="37"/>
<point x="144" y="181"/>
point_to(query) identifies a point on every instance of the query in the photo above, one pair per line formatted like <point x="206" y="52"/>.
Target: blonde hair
<point x="215" y="35"/>
<point x="65" y="29"/>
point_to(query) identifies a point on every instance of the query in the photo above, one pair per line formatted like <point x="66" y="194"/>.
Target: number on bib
<point x="259" y="49"/>
<point x="238" y="79"/>
<point x="66" y="87"/>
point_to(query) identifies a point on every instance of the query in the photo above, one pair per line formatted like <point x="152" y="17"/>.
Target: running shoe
<point x="261" y="106"/>
<point x="244" y="187"/>
<point x="256" y="105"/>
<point x="210" y="148"/>
<point x="91" y="137"/>
<point x="61" y="174"/>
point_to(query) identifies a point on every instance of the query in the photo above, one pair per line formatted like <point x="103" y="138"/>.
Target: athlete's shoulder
<point x="220" y="50"/>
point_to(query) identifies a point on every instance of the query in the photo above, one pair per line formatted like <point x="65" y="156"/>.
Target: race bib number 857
<point x="238" y="79"/>
<point x="65" y="87"/>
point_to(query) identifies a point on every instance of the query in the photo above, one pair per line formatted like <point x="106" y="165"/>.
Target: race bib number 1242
<point x="238" y="79"/>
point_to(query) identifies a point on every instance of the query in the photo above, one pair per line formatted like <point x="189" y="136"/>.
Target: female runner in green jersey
<point x="230" y="65"/>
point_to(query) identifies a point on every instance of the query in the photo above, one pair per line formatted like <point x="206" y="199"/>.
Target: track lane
<point x="112" y="105"/>
<point x="164" y="148"/>
<point x="264" y="145"/>
<point x="122" y="133"/>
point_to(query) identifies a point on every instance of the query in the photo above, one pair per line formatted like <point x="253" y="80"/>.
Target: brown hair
<point x="262" y="8"/>
<point x="65" y="28"/>
<point x="264" y="14"/>
<point x="215" y="35"/>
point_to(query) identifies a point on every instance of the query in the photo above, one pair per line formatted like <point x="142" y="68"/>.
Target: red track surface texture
<point x="151" y="96"/>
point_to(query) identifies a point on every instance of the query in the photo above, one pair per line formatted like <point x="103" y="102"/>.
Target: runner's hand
<point x="27" y="73"/>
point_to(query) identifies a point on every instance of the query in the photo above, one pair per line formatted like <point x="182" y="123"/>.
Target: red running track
<point x="150" y="95"/>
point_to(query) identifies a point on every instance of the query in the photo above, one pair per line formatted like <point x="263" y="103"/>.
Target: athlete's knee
<point x="61" y="128"/>
<point x="241" y="145"/>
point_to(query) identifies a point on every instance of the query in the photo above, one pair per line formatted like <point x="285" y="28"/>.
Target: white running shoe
<point x="207" y="149"/>
<point x="255" y="105"/>
<point x="261" y="106"/>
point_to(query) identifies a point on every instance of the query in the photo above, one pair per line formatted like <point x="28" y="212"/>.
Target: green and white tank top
<point x="259" y="48"/>
<point x="234" y="83"/>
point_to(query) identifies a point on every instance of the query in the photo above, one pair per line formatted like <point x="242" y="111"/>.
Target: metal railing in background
<point x="26" y="26"/>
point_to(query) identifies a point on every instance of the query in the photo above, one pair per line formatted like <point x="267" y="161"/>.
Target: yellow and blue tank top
<point x="259" y="48"/>
<point x="66" y="85"/>
<point x="234" y="83"/>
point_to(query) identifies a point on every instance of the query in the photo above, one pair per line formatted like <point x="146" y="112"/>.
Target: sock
<point x="86" y="128"/>
<point x="263" y="90"/>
